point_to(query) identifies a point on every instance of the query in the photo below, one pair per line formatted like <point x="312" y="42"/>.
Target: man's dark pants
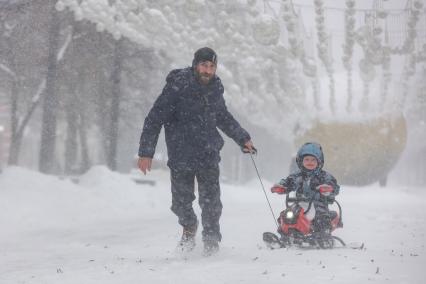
<point x="208" y="197"/>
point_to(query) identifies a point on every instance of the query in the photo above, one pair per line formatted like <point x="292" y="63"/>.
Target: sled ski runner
<point x="272" y="241"/>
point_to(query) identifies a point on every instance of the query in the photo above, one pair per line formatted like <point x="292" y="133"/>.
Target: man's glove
<point x="278" y="188"/>
<point x="248" y="147"/>
<point x="325" y="189"/>
<point x="246" y="150"/>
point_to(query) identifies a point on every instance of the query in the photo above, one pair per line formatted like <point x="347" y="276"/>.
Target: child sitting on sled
<point x="311" y="181"/>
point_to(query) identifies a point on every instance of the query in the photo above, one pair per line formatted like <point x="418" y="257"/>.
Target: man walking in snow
<point x="191" y="107"/>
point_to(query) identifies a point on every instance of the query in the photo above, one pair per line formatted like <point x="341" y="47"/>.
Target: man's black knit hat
<point x="204" y="54"/>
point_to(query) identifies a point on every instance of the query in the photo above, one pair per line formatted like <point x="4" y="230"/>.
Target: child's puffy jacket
<point x="306" y="184"/>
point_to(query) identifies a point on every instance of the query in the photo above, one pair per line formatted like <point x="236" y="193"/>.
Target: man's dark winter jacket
<point x="191" y="113"/>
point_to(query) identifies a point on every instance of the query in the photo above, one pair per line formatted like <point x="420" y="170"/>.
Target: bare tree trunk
<point x="101" y="98"/>
<point x="85" y="163"/>
<point x="82" y="126"/>
<point x="50" y="101"/>
<point x="72" y="102"/>
<point x="71" y="139"/>
<point x="18" y="129"/>
<point x="15" y="142"/>
<point x="115" y="106"/>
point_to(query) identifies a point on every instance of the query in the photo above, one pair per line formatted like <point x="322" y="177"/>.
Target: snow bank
<point x="35" y="201"/>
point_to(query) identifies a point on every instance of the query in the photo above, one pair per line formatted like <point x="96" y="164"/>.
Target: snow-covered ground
<point x="108" y="229"/>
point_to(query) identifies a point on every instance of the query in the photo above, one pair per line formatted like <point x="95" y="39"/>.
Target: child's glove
<point x="278" y="188"/>
<point x="325" y="189"/>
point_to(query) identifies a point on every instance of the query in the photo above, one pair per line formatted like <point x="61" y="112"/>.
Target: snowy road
<point x="108" y="229"/>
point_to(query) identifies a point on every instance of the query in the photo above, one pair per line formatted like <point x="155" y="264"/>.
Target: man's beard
<point x="203" y="78"/>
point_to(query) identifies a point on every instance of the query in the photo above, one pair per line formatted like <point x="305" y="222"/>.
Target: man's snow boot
<point x="187" y="241"/>
<point x="210" y="247"/>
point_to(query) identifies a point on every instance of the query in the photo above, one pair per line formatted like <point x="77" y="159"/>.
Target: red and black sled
<point x="296" y="227"/>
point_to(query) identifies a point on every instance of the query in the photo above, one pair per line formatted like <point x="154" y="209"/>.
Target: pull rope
<point x="263" y="188"/>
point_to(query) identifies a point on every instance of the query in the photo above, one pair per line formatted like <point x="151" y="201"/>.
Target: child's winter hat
<point x="312" y="149"/>
<point x="204" y="54"/>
